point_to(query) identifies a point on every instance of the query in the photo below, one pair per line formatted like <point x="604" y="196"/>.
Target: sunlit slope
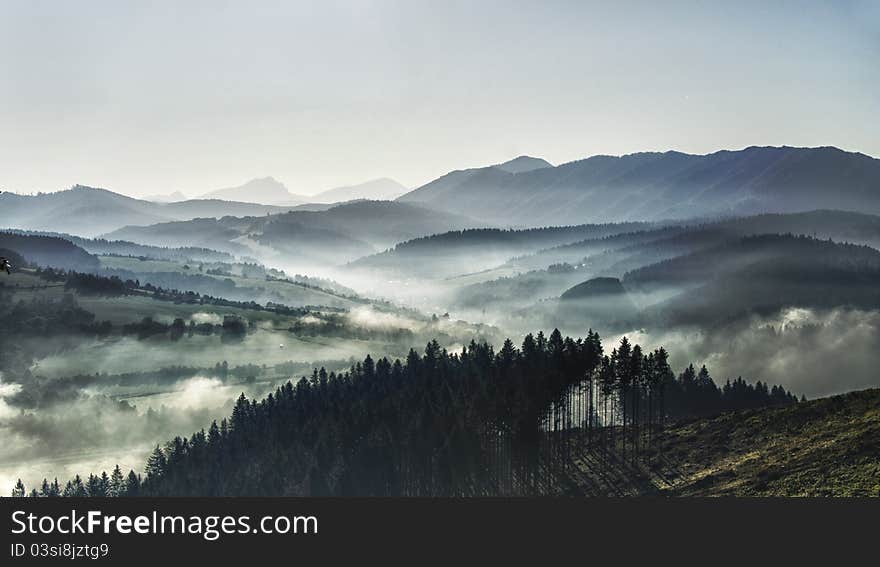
<point x="824" y="447"/>
<point x="657" y="186"/>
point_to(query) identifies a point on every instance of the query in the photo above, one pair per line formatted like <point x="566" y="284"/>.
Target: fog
<point x="7" y="391"/>
<point x="811" y="352"/>
<point x="78" y="401"/>
<point x="83" y="426"/>
<point x="87" y="433"/>
<point x="87" y="404"/>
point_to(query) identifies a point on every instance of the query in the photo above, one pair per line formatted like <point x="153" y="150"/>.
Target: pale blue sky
<point x="150" y="97"/>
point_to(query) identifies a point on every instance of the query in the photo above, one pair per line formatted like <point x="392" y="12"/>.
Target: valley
<point x="130" y="323"/>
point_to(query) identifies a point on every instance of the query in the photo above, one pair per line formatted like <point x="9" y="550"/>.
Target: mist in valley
<point x="164" y="330"/>
<point x="87" y="403"/>
<point x="810" y="352"/>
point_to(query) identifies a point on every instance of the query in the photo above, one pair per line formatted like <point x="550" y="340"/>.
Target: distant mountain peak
<point x="80" y="187"/>
<point x="265" y="190"/>
<point x="660" y="185"/>
<point x="382" y="189"/>
<point x="522" y="164"/>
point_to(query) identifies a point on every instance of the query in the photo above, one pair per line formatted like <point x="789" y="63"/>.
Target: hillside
<point x="656" y="186"/>
<point x="602" y="301"/>
<point x="380" y="223"/>
<point x="376" y="190"/>
<point x="550" y="271"/>
<point x="332" y="236"/>
<point x="100" y="246"/>
<point x="211" y="273"/>
<point x="48" y="251"/>
<point x="647" y="245"/>
<point x="758" y="274"/>
<point x="198" y="232"/>
<point x="474" y="423"/>
<point x="824" y="447"/>
<point x="522" y="164"/>
<point x="464" y="251"/>
<point x="266" y="190"/>
<point x="87" y="211"/>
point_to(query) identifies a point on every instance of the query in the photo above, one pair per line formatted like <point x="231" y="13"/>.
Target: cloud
<point x="7" y="391"/>
<point x="370" y="318"/>
<point x="203" y="317"/>
<point x="809" y="351"/>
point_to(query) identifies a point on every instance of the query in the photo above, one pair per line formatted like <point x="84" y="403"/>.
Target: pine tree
<point x="469" y="423"/>
<point x="155" y="465"/>
<point x="117" y="483"/>
<point x="75" y="488"/>
<point x="132" y="484"/>
<point x="94" y="487"/>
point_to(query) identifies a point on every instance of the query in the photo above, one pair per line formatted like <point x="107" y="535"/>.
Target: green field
<point x="291" y="294"/>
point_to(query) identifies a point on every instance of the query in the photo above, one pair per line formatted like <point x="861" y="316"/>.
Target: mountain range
<point x="88" y="211"/>
<point x="656" y="186"/>
<point x="268" y="190"/>
<point x="338" y="234"/>
<point x="523" y="192"/>
<point x="383" y="189"/>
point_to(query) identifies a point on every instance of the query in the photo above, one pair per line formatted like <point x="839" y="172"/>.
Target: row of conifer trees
<point x="470" y="423"/>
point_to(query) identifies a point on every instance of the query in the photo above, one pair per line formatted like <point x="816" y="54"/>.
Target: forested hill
<point x="655" y="186"/>
<point x="336" y="235"/>
<point x="48" y="251"/>
<point x="479" y="422"/>
<point x="647" y="246"/>
<point x="459" y="251"/>
<point x="101" y="246"/>
<point x="759" y="274"/>
<point x="771" y="252"/>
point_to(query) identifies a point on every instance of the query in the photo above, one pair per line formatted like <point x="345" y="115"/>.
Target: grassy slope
<point x="128" y="308"/>
<point x="292" y="294"/>
<point x="824" y="447"/>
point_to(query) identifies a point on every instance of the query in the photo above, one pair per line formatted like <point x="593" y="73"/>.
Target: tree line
<point x="469" y="423"/>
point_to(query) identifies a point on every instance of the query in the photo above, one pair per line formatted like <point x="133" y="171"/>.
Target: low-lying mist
<point x="87" y="403"/>
<point x="94" y="432"/>
<point x="809" y="351"/>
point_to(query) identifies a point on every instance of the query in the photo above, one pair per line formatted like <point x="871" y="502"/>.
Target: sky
<point x="152" y="97"/>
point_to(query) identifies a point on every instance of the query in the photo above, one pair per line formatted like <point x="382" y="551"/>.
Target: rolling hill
<point x="265" y="190"/>
<point x="823" y="447"/>
<point x="87" y="211"/>
<point x="199" y="232"/>
<point x="522" y="164"/>
<point x="383" y="189"/>
<point x="529" y="278"/>
<point x="48" y="251"/>
<point x="268" y="190"/>
<point x="465" y="251"/>
<point x="656" y="186"/>
<point x="336" y="235"/>
<point x="758" y="274"/>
